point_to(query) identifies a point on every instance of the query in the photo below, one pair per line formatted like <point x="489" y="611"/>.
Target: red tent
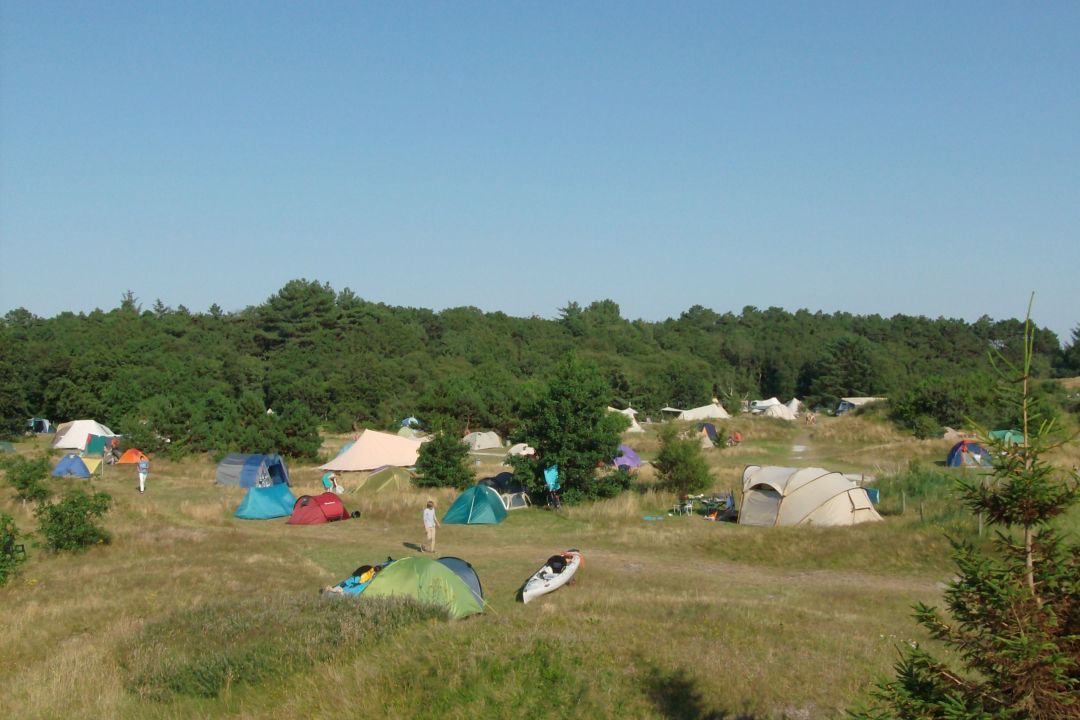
<point x="317" y="509"/>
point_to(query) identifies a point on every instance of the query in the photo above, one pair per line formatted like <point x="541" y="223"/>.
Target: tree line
<point x="176" y="380"/>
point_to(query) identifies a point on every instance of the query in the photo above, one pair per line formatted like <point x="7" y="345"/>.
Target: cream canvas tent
<point x="779" y="411"/>
<point x="483" y="440"/>
<point x="712" y="411"/>
<point x="521" y="449"/>
<point x="760" y="406"/>
<point x="631" y="415"/>
<point x="374" y="449"/>
<point x="782" y="496"/>
<point x="793" y="405"/>
<point x="72" y="435"/>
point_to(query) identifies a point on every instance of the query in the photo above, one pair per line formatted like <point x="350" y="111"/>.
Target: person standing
<point x="430" y="523"/>
<point x="144" y="470"/>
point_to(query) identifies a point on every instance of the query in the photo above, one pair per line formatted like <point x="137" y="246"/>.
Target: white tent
<point x="779" y="411"/>
<point x="483" y="440"/>
<point x="374" y="449"/>
<point x="521" y="449"/>
<point x="782" y="496"/>
<point x="712" y="411"/>
<point x="793" y="405"/>
<point x="631" y="414"/>
<point x="72" y="435"/>
<point x="759" y="406"/>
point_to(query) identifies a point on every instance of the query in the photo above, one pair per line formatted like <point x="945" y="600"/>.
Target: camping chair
<point x="685" y="506"/>
<point x="16" y="551"/>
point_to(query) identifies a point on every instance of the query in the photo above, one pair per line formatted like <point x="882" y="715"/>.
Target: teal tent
<point x="1007" y="437"/>
<point x="263" y="503"/>
<point x="479" y="505"/>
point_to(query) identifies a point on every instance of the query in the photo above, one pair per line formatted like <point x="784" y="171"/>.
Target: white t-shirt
<point x="429" y="517"/>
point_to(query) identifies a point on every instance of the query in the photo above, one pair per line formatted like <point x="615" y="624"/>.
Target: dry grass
<point x="673" y="618"/>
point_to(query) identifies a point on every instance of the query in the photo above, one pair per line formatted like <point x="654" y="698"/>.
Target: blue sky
<point x="919" y="158"/>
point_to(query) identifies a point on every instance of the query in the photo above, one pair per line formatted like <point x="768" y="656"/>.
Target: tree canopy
<point x="193" y="382"/>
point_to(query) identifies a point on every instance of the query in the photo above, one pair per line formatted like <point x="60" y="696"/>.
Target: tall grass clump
<point x="925" y="493"/>
<point x="202" y="651"/>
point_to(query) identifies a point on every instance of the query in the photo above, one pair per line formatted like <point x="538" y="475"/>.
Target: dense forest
<point x="170" y="378"/>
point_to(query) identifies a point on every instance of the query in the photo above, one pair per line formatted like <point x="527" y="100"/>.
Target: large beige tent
<point x="72" y="435"/>
<point x="779" y="411"/>
<point x="374" y="449"/>
<point x="483" y="440"/>
<point x="712" y="411"/>
<point x="631" y="415"/>
<point x="781" y="496"/>
<point x="760" y="406"/>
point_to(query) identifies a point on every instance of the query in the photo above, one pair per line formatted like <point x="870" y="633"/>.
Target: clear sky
<point x="916" y="157"/>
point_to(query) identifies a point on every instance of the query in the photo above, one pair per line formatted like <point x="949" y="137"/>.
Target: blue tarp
<point x="263" y="503"/>
<point x="71" y="465"/>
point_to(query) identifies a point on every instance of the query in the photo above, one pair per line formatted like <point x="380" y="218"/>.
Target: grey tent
<point x="252" y="470"/>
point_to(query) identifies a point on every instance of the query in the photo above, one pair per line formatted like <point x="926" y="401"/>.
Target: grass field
<point x="190" y="613"/>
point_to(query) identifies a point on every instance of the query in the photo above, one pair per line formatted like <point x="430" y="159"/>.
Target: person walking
<point x="430" y="523"/>
<point x="144" y="470"/>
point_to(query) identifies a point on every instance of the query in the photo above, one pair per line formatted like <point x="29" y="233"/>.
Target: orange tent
<point x="131" y="457"/>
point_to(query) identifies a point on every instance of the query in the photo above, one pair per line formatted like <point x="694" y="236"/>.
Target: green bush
<point x="9" y="537"/>
<point x="26" y="477"/>
<point x="680" y="464"/>
<point x="69" y="523"/>
<point x="443" y="462"/>
<point x="201" y="651"/>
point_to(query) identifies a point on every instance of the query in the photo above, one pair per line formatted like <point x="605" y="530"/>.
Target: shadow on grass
<point x="676" y="696"/>
<point x="412" y="546"/>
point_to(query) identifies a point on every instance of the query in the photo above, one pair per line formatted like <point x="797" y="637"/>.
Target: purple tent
<point x="627" y="458"/>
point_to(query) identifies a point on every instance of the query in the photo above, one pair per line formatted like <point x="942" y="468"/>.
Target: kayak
<point x="556" y="572"/>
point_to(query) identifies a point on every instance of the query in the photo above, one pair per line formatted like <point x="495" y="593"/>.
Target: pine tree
<point x="1014" y="612"/>
<point x="444" y="460"/>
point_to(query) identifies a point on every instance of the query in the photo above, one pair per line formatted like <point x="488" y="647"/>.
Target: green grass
<point x="204" y="650"/>
<point x="190" y="613"/>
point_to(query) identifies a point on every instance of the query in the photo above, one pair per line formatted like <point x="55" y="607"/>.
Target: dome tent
<point x="318" y="509"/>
<point x="252" y="470"/>
<point x="479" y="505"/>
<point x="263" y="503"/>
<point x="785" y="496"/>
<point x="428" y="581"/>
<point x="968" y="453"/>
<point x="72" y="466"/>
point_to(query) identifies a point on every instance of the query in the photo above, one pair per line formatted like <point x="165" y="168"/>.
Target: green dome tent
<point x="479" y="505"/>
<point x="427" y="581"/>
<point x="1007" y="437"/>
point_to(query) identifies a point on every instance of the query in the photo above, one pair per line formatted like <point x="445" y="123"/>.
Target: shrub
<point x="26" y="477"/>
<point x="680" y="464"/>
<point x="69" y="523"/>
<point x="9" y="537"/>
<point x="443" y="462"/>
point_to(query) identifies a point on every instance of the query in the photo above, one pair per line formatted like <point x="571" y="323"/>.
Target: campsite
<point x="193" y="612"/>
